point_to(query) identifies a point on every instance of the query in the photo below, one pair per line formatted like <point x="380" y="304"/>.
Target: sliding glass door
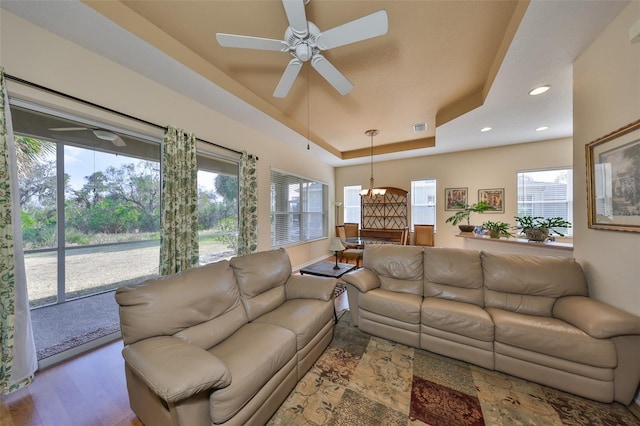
<point x="90" y="199"/>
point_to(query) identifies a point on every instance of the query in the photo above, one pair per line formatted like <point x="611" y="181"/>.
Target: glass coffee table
<point x="326" y="269"/>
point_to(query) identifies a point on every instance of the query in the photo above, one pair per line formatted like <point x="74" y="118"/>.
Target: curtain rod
<point x="56" y="92"/>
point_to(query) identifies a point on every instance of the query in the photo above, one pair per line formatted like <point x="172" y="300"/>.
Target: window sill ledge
<point x="555" y="245"/>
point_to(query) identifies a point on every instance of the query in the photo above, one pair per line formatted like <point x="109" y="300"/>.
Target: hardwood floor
<point x="89" y="389"/>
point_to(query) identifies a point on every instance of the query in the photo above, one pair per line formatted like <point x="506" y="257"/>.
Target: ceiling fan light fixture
<point x="539" y="90"/>
<point x="304" y="41"/>
<point x="105" y="135"/>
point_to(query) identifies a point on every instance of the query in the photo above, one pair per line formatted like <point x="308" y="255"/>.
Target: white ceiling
<point x="549" y="38"/>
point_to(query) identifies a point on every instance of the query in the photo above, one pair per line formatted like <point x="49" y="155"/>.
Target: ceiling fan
<point x="105" y="135"/>
<point x="304" y="41"/>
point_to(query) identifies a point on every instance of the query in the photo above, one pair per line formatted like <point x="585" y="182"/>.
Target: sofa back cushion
<point x="398" y="267"/>
<point x="530" y="284"/>
<point x="184" y="304"/>
<point x="454" y="274"/>
<point x="261" y="278"/>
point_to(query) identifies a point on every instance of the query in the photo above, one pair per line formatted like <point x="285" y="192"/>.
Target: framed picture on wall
<point x="613" y="180"/>
<point x="494" y="197"/>
<point x="453" y="196"/>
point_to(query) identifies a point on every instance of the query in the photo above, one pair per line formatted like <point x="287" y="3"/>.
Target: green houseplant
<point x="537" y="228"/>
<point x="464" y="215"/>
<point x="497" y="229"/>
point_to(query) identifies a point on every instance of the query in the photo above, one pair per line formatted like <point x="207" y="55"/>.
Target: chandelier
<point x="372" y="191"/>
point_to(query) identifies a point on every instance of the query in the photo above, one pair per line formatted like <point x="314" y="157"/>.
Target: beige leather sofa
<point x="528" y="316"/>
<point x="224" y="343"/>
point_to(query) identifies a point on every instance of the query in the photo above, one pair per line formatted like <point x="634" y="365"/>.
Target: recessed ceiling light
<point x="540" y="129"/>
<point x="485" y="129"/>
<point x="539" y="90"/>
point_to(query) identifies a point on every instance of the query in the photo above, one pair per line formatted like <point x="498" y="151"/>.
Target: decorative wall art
<point x="454" y="196"/>
<point x="494" y="197"/>
<point x="613" y="180"/>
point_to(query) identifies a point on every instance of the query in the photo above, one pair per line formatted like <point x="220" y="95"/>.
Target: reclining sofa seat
<point x="528" y="316"/>
<point x="224" y="343"/>
<point x="454" y="321"/>
<point x="390" y="296"/>
<point x="534" y="303"/>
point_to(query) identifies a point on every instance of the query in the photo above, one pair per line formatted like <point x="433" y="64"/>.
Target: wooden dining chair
<point x="351" y="251"/>
<point x="423" y="235"/>
<point x="351" y="230"/>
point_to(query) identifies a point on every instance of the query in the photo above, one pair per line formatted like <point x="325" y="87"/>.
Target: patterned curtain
<point x="179" y="209"/>
<point x="248" y="208"/>
<point x="18" y="361"/>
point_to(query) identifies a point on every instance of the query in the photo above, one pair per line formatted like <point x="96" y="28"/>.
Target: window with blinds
<point x="546" y="193"/>
<point x="423" y="202"/>
<point x="351" y="199"/>
<point x="298" y="209"/>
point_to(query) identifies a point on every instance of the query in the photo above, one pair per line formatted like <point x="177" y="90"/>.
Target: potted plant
<point x="464" y="215"/>
<point x="537" y="228"/>
<point x="497" y="229"/>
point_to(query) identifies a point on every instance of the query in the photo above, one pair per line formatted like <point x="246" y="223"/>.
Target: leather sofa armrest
<point x="595" y="318"/>
<point x="362" y="279"/>
<point x="175" y="369"/>
<point x="310" y="287"/>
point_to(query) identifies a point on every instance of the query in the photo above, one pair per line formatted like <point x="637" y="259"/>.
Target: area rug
<point x="365" y="380"/>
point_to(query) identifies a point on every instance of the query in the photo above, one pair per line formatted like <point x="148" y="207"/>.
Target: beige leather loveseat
<point x="224" y="343"/>
<point x="528" y="316"/>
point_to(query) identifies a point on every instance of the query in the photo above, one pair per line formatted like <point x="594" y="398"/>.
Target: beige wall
<point x="606" y="98"/>
<point x="41" y="57"/>
<point x="477" y="169"/>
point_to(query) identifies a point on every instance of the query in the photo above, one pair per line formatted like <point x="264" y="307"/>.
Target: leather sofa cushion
<point x="454" y="274"/>
<point x="530" y="284"/>
<point x="261" y="277"/>
<point x="552" y="337"/>
<point x="304" y="317"/>
<point x="168" y="305"/>
<point x="400" y="268"/>
<point x="461" y="318"/>
<point x="269" y="348"/>
<point x="400" y="306"/>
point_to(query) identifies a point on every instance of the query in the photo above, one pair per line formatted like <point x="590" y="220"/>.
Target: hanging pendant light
<point x="372" y="189"/>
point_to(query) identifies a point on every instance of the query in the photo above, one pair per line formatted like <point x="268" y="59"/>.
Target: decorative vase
<point x="494" y="234"/>
<point x="537" y="234"/>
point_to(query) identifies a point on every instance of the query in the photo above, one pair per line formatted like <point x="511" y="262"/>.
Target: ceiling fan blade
<point x="296" y="16"/>
<point x="289" y="76"/>
<point x="331" y="74"/>
<point x="248" y="42"/>
<point x="68" y="129"/>
<point x="369" y="26"/>
<point x="119" y="142"/>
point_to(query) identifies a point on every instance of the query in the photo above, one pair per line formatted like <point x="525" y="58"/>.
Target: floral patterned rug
<point x="365" y="380"/>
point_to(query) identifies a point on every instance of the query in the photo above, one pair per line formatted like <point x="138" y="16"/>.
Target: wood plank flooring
<point x="89" y="389"/>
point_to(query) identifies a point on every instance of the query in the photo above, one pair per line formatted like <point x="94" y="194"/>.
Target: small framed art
<point x="494" y="197"/>
<point x="454" y="196"/>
